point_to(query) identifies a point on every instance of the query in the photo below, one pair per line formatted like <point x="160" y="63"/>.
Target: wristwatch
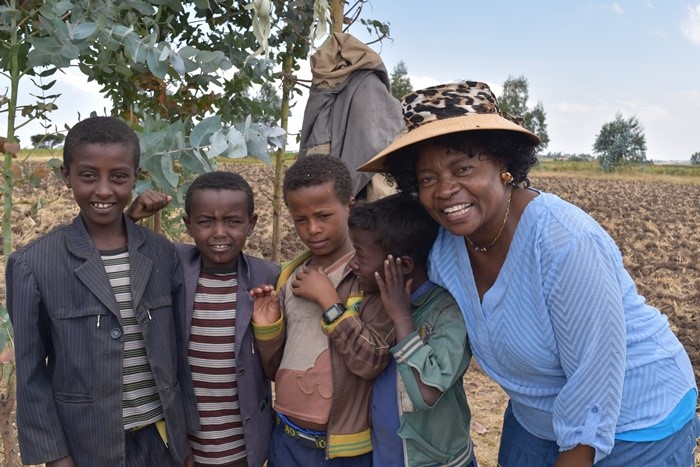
<point x="333" y="312"/>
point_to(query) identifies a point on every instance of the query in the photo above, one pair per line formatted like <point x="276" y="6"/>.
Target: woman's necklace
<point x="485" y="248"/>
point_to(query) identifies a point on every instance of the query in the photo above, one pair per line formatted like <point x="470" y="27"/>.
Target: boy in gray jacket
<point x="233" y="396"/>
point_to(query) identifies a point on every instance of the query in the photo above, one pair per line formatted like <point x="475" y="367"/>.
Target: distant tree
<point x="47" y="140"/>
<point x="514" y="101"/>
<point x="269" y="102"/>
<point x="695" y="158"/>
<point x="400" y="82"/>
<point x="619" y="142"/>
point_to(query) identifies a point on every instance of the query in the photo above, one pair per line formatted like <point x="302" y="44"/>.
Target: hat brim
<point x="444" y="127"/>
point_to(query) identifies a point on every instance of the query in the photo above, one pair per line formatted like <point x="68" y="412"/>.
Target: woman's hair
<point x="516" y="150"/>
<point x="318" y="169"/>
<point x="399" y="223"/>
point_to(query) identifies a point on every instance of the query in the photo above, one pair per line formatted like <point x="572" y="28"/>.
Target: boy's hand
<point x="266" y="306"/>
<point x="147" y="204"/>
<point x="314" y="284"/>
<point x="62" y="462"/>
<point x="396" y="295"/>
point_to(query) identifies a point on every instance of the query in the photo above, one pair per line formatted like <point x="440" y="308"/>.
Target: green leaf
<point x="136" y="48"/>
<point x="70" y="51"/>
<point x="256" y="143"/>
<point x="62" y="7"/>
<point x="143" y="185"/>
<point x="203" y="130"/>
<point x="157" y="67"/>
<point x="48" y="72"/>
<point x="83" y="31"/>
<point x="192" y="161"/>
<point x="166" y="164"/>
<point x="177" y="63"/>
<point x="219" y="144"/>
<point x="236" y="144"/>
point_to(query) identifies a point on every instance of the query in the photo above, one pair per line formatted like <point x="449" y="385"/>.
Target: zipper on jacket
<point x="98" y="320"/>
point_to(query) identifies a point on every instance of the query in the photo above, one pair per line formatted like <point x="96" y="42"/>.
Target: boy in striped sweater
<point x="233" y="395"/>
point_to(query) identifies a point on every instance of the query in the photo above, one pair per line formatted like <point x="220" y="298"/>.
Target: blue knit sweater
<point x="564" y="331"/>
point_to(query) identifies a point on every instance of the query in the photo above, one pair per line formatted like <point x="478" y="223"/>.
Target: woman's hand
<point x="580" y="456"/>
<point x="62" y="462"/>
<point x="266" y="306"/>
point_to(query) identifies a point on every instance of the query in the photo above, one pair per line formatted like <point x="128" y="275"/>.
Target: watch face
<point x="333" y="313"/>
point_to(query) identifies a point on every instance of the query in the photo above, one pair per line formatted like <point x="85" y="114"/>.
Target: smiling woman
<point x="552" y="314"/>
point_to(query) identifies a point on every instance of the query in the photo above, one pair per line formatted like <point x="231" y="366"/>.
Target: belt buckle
<point x="318" y="442"/>
<point x="314" y="442"/>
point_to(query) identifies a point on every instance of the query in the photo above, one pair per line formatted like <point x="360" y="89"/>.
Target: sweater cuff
<point x="267" y="332"/>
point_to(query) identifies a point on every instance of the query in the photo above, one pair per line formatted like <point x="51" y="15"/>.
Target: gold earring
<point x="506" y="178"/>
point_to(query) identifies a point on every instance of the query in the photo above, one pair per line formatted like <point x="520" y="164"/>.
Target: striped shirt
<point x="141" y="404"/>
<point x="212" y="360"/>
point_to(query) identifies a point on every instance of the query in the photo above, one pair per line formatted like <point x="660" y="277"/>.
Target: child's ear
<point x="351" y="203"/>
<point x="251" y="224"/>
<point x="408" y="264"/>
<point x="66" y="175"/>
<point x="186" y="220"/>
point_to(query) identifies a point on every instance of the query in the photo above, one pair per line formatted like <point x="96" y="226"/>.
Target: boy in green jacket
<point x="392" y="238"/>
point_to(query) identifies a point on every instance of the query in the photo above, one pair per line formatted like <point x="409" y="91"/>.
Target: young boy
<point x="233" y="395"/>
<point x="392" y="238"/>
<point x="97" y="313"/>
<point x="321" y="341"/>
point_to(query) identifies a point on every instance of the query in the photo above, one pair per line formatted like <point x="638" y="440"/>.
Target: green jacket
<point x="439" y="351"/>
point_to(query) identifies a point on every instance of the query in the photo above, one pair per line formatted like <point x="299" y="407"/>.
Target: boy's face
<point x="321" y="221"/>
<point x="369" y="258"/>
<point x="101" y="177"/>
<point x="219" y="225"/>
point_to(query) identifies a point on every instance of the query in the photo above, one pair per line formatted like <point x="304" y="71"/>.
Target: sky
<point x="585" y="61"/>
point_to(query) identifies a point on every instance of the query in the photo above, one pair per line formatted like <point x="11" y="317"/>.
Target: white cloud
<point x="616" y="8"/>
<point x="571" y="108"/>
<point x="691" y="25"/>
<point x="653" y="113"/>
<point x="420" y="82"/>
<point x="613" y="7"/>
<point x="660" y="33"/>
<point x="75" y="79"/>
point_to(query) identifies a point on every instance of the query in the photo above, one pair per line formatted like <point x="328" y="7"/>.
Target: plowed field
<point x="655" y="224"/>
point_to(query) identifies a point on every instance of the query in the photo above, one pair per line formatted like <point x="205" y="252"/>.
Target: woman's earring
<point x="506" y="178"/>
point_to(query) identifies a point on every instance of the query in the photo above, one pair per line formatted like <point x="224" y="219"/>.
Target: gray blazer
<point x="254" y="395"/>
<point x="69" y="345"/>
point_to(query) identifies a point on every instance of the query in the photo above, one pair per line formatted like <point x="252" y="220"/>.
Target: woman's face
<point x="461" y="190"/>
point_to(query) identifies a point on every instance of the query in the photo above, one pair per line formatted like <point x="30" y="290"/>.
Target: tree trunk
<point x="287" y="86"/>
<point x="7" y="166"/>
<point x="337" y="14"/>
<point x="7" y="406"/>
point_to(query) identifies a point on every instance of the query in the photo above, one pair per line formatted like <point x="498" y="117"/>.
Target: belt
<point x="308" y="440"/>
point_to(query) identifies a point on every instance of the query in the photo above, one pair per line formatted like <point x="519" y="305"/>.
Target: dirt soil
<point x="654" y="224"/>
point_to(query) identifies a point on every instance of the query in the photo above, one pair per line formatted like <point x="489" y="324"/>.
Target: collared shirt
<point x="564" y="331"/>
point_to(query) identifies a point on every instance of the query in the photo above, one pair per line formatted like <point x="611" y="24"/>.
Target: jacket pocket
<point x="71" y="398"/>
<point x="79" y="337"/>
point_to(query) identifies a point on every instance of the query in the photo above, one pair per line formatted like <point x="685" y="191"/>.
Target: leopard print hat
<point x="448" y="108"/>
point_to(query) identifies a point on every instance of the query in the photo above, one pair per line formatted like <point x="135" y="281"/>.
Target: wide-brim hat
<point x="444" y="109"/>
